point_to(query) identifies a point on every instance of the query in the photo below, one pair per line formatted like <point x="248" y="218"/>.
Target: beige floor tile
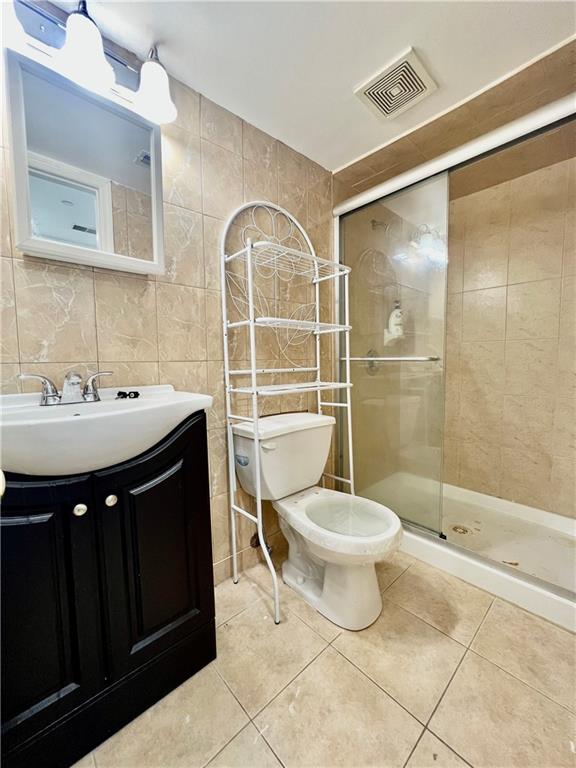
<point x="246" y="750"/>
<point x="293" y="602"/>
<point x="86" y="762"/>
<point x="444" y="601"/>
<point x="258" y="658"/>
<point x="537" y="652"/>
<point x="332" y="715"/>
<point x="407" y="657"/>
<point x="493" y="720"/>
<point x="186" y="728"/>
<point x="233" y="598"/>
<point x="432" y="753"/>
<point x="389" y="570"/>
<point x="309" y="615"/>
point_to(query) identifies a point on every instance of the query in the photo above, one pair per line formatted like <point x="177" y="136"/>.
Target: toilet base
<point x="349" y="596"/>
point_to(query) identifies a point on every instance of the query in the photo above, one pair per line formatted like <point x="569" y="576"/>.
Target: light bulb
<point x="153" y="100"/>
<point x="82" y="56"/>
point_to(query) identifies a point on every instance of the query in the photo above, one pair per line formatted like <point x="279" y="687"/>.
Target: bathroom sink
<point x="82" y="437"/>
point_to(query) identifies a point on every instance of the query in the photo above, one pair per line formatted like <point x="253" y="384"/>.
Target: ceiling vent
<point x="398" y="87"/>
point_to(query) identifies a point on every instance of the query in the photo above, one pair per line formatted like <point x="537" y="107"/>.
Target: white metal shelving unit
<point x="274" y="246"/>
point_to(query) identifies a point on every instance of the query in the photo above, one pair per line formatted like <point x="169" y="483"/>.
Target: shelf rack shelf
<point x="275" y="245"/>
<point x="288" y="262"/>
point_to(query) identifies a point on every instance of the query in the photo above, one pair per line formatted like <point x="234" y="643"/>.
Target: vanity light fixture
<point x="153" y="100"/>
<point x="82" y="58"/>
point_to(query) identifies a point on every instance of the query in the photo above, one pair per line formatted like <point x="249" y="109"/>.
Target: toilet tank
<point x="293" y="451"/>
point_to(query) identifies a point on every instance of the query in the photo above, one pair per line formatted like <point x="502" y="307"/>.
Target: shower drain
<point x="461" y="529"/>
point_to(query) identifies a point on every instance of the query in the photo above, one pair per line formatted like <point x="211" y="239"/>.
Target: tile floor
<point x="448" y="677"/>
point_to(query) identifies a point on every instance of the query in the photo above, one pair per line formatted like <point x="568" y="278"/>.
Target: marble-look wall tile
<point x="222" y="188"/>
<point x="218" y="461"/>
<point x="526" y="477"/>
<point x="181" y="322"/>
<point x="511" y="380"/>
<point x="220" y="126"/>
<point x="533" y="310"/>
<point x="530" y="367"/>
<point x="126" y="318"/>
<point x="129" y="374"/>
<point x="214" y="344"/>
<point x="187" y="103"/>
<point x="9" y="382"/>
<point x="260" y="165"/>
<point x="484" y="314"/>
<point x="9" y="339"/>
<point x="215" y="381"/>
<point x="183" y="247"/>
<point x="539" y="202"/>
<point x="185" y="377"/>
<point x="568" y="307"/>
<point x="213" y="229"/>
<point x="56" y="312"/>
<point x="293" y="182"/>
<point x="181" y="168"/>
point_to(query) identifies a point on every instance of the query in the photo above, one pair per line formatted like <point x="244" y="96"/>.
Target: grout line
<point x="427" y="730"/>
<point x="418" y="740"/>
<point x="446" y="688"/>
<point x="459" y="664"/>
<point x="247" y="725"/>
<point x="520" y="680"/>
<point x="367" y="676"/>
<point x="276" y="695"/>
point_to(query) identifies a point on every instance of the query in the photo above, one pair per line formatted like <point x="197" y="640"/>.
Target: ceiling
<point x="290" y="68"/>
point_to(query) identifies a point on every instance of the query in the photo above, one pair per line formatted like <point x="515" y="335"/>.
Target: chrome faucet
<point x="72" y="390"/>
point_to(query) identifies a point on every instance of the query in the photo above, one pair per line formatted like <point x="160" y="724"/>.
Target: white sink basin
<point x="81" y="437"/>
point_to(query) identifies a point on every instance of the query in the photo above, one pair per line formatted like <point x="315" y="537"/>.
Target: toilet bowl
<point x="335" y="539"/>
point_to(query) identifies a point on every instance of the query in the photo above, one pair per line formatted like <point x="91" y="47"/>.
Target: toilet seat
<point x="340" y="522"/>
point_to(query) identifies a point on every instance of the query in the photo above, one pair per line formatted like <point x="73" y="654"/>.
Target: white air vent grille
<point x="398" y="87"/>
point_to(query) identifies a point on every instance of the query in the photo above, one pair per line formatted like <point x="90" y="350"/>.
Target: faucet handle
<point x="50" y="394"/>
<point x="90" y="390"/>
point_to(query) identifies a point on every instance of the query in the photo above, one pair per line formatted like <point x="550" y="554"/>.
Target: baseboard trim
<point x="481" y="573"/>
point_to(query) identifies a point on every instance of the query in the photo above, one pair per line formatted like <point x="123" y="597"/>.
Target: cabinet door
<point x="51" y="638"/>
<point x="157" y="547"/>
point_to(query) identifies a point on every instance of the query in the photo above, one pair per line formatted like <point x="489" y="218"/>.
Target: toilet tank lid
<point x="283" y="424"/>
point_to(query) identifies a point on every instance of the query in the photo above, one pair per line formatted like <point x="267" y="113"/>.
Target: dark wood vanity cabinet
<point x="103" y="611"/>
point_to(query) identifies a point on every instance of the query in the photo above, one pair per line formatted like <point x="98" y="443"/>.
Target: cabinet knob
<point x="80" y="509"/>
<point x="111" y="500"/>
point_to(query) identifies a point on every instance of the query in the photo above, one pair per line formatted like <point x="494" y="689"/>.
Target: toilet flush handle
<point x="268" y="446"/>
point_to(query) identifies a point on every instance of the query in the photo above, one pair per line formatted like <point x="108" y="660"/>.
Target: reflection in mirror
<point x="89" y="171"/>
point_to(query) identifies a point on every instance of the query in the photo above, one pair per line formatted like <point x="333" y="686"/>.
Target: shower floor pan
<point x="535" y="542"/>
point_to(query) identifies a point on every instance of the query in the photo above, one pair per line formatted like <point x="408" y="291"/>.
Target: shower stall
<point x="462" y="304"/>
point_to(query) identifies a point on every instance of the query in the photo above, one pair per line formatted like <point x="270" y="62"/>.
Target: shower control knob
<point x="111" y="500"/>
<point x="80" y="509"/>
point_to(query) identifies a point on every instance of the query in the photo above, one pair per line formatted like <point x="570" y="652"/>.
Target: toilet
<point x="334" y="539"/>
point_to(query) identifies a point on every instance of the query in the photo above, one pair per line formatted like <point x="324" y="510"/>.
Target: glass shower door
<point x="397" y="248"/>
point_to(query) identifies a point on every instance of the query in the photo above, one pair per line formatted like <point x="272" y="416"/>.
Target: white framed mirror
<point x="87" y="174"/>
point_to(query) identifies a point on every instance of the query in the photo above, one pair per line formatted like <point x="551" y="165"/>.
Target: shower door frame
<point x="535" y="122"/>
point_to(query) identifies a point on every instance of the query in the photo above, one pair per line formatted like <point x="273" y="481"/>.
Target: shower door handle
<point x="406" y="359"/>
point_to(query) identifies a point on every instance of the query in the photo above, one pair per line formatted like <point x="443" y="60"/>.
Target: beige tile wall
<point x="511" y="347"/>
<point x="166" y="329"/>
